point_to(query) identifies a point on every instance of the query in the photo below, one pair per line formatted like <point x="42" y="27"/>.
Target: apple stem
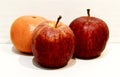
<point x="88" y="12"/>
<point x="58" y="21"/>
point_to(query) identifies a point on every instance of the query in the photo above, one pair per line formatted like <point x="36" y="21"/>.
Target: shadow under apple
<point x="14" y="50"/>
<point x="71" y="62"/>
<point x="30" y="62"/>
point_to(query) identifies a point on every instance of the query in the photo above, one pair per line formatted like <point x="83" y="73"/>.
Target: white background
<point x="108" y="10"/>
<point x="13" y="64"/>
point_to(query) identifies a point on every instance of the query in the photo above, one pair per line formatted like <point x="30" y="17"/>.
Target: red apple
<point x="53" y="44"/>
<point x="91" y="35"/>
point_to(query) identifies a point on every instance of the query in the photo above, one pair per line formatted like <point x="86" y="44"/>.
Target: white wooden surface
<point x="14" y="64"/>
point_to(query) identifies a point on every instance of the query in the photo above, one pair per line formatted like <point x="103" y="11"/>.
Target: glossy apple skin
<point x="91" y="36"/>
<point x="53" y="47"/>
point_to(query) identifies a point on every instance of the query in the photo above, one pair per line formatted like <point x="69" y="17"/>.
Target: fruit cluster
<point x="53" y="43"/>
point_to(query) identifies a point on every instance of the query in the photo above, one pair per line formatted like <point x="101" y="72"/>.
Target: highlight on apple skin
<point x="91" y="35"/>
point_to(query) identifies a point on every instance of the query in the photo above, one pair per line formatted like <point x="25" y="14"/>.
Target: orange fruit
<point x="22" y="31"/>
